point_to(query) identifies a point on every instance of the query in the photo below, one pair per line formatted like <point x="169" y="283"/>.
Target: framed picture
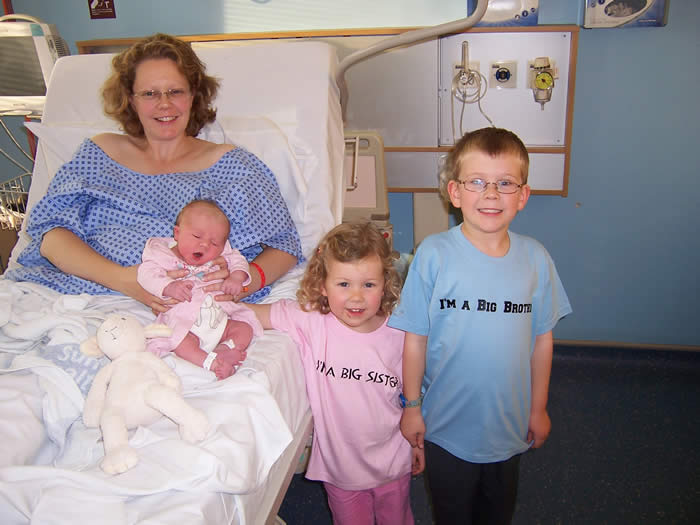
<point x="101" y="9"/>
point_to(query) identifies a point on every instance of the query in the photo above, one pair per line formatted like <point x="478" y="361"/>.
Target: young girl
<point x="206" y="332"/>
<point x="352" y="364"/>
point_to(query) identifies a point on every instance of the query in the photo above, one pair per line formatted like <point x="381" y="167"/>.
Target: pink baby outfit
<point x="203" y="315"/>
<point x="353" y="381"/>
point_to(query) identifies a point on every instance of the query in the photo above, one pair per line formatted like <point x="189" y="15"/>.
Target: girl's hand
<point x="413" y="426"/>
<point x="417" y="460"/>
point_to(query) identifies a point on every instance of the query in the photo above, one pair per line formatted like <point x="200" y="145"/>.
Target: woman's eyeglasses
<point x="153" y="95"/>
<point x="480" y="185"/>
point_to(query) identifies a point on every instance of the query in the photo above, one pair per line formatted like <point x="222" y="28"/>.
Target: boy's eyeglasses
<point x="480" y="185"/>
<point x="153" y="95"/>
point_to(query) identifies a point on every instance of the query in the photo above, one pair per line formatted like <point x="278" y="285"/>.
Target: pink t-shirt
<point x="353" y="381"/>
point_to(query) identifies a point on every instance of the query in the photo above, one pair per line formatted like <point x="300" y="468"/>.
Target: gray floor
<point x="624" y="448"/>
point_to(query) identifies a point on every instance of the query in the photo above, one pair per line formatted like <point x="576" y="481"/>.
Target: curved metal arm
<point x="27" y="18"/>
<point x="403" y="39"/>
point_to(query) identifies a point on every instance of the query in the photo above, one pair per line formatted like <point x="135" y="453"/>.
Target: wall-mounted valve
<point x="542" y="75"/>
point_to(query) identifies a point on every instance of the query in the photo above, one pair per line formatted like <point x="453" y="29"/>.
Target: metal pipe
<point x="403" y="39"/>
<point x="17" y="16"/>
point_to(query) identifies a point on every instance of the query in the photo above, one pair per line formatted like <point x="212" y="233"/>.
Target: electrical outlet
<point x="503" y="74"/>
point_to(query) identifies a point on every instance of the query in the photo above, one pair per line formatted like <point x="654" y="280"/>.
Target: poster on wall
<point x="101" y="9"/>
<point x="625" y="13"/>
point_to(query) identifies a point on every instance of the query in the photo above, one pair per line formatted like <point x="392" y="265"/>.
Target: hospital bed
<point x="279" y="100"/>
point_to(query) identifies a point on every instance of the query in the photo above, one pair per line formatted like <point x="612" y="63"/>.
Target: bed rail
<point x="13" y="201"/>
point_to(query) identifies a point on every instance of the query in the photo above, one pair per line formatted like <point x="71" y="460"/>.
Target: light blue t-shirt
<point x="481" y="315"/>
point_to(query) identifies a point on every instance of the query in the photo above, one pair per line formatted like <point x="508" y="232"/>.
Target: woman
<point x="90" y="229"/>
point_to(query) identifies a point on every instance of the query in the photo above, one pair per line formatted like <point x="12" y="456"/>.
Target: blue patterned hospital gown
<point x="115" y="210"/>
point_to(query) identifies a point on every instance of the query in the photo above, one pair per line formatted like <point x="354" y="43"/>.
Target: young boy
<point x="478" y="308"/>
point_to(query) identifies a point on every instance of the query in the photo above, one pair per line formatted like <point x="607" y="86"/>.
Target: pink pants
<point x="388" y="504"/>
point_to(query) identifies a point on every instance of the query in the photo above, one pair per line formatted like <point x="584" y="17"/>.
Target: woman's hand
<point x="218" y="275"/>
<point x="70" y="254"/>
<point x="131" y="287"/>
<point x="177" y="274"/>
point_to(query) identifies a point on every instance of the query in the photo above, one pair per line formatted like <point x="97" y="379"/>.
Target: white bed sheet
<point x="258" y="412"/>
<point x="255" y="414"/>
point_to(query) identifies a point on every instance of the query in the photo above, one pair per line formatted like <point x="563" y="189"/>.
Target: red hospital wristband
<point x="260" y="271"/>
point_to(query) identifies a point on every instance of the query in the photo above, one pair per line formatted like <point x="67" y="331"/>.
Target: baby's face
<point x="201" y="236"/>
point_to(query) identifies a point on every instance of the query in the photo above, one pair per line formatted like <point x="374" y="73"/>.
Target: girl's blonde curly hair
<point x="348" y="242"/>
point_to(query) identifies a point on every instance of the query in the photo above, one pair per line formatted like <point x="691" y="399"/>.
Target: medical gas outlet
<point x="542" y="75"/>
<point x="504" y="74"/>
<point x="466" y="81"/>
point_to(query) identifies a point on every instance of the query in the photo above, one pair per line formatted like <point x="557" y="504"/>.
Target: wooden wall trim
<point x="93" y="46"/>
<point x="573" y="54"/>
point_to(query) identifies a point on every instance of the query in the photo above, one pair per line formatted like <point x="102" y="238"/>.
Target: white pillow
<point x="262" y="137"/>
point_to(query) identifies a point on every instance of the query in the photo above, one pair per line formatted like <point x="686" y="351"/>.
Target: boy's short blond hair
<point x="493" y="142"/>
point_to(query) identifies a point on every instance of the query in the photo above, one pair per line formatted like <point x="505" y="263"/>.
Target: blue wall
<point x="625" y="240"/>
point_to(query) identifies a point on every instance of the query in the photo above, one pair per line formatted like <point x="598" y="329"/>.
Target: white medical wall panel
<point x="546" y="171"/>
<point x="511" y="108"/>
<point x="412" y="169"/>
<point x="393" y="93"/>
<point x="419" y="169"/>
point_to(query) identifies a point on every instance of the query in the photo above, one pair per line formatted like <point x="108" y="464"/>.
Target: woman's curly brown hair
<point x="118" y="88"/>
<point x="348" y="242"/>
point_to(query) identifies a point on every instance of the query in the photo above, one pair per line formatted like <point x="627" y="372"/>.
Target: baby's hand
<point x="233" y="284"/>
<point x="180" y="290"/>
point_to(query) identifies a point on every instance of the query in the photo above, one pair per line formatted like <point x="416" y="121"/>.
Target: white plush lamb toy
<point x="136" y="388"/>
